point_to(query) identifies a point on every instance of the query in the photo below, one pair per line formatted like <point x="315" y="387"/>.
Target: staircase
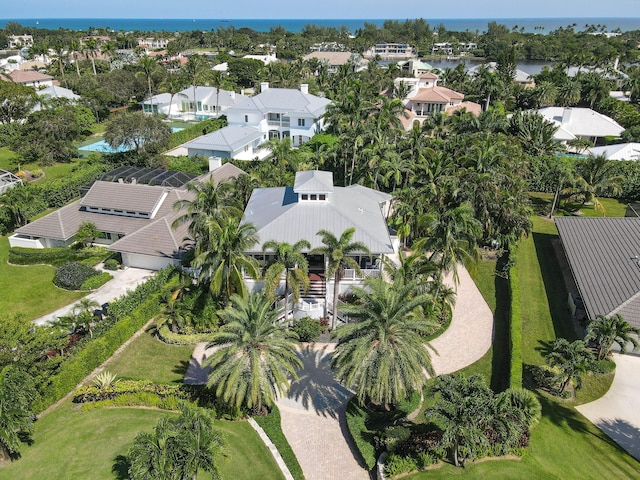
<point x="317" y="287"/>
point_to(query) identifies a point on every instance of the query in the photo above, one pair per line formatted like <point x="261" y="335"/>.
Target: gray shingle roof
<point x="123" y="196"/>
<point x="278" y="215"/>
<point x="227" y="139"/>
<point x="283" y="100"/>
<point x="602" y="256"/>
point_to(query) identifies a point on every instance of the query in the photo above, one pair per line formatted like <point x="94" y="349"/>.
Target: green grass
<point x="8" y="159"/>
<point x="29" y="290"/>
<point x="147" y="358"/>
<point x="612" y="207"/>
<point x="72" y="444"/>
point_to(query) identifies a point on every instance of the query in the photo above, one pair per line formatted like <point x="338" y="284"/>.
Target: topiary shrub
<point x="72" y="275"/>
<point x="96" y="281"/>
<point x="111" y="264"/>
<point x="308" y="329"/>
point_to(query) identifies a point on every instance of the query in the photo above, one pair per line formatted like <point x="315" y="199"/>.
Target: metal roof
<point x="582" y="122"/>
<point x="620" y="151"/>
<point x="313" y="181"/>
<point x="278" y="215"/>
<point x="227" y="139"/>
<point x="282" y="100"/>
<point x="604" y="256"/>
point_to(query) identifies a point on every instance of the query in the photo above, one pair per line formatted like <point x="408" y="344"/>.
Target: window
<point x="246" y="119"/>
<point x="322" y="196"/>
<point x="301" y="122"/>
<point x="313" y="196"/>
<point x="199" y="105"/>
<point x="305" y="196"/>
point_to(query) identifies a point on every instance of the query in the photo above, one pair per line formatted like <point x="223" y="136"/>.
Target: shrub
<point x="96" y="393"/>
<point x="72" y="275"/>
<point x="393" y="436"/>
<point x="105" y="379"/>
<point x="308" y="329"/>
<point x="396" y="464"/>
<point x="167" y="336"/>
<point x="111" y="264"/>
<point x="271" y="425"/>
<point x="357" y="423"/>
<point x="194" y="131"/>
<point x="56" y="256"/>
<point x="96" y="281"/>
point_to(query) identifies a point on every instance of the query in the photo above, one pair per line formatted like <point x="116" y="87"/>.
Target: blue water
<point x="103" y="147"/>
<point x="296" y="25"/>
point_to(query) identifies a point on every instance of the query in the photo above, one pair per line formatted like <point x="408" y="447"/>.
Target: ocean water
<point x="536" y="25"/>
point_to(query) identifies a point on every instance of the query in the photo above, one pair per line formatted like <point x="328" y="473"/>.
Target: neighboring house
<point x="8" y="180"/>
<point x="604" y="257"/>
<point x="281" y="113"/>
<point x="620" y="151"/>
<point x="415" y="66"/>
<point x="134" y="219"/>
<point x="521" y="78"/>
<point x="154" y="43"/>
<point x="290" y="214"/>
<point x="389" y="51"/>
<point x="181" y="105"/>
<point x="334" y="60"/>
<point x="266" y="59"/>
<point x="426" y="97"/>
<point x="29" y="78"/>
<point x="11" y="63"/>
<point x="580" y="123"/>
<point x="56" y="91"/>
<point x="612" y="74"/>
<point x="20" y="41"/>
<point x="234" y="141"/>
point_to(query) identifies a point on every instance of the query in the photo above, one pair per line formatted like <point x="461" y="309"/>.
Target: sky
<point x="322" y="9"/>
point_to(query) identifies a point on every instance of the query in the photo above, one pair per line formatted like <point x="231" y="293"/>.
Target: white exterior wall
<point x="148" y="262"/>
<point x="20" y="241"/>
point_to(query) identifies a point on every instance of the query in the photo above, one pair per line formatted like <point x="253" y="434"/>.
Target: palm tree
<point x="383" y="356"/>
<point x="172" y="85"/>
<point x="535" y="133"/>
<point x="90" y="49"/>
<point x="336" y="252"/>
<point x="83" y="312"/>
<point x="450" y="238"/>
<point x="598" y="177"/>
<point x="17" y="393"/>
<point x="178" y="448"/>
<point x="196" y="68"/>
<point x="223" y="262"/>
<point x="463" y="412"/>
<point x="255" y="357"/>
<point x="572" y="361"/>
<point x="74" y="47"/>
<point x="148" y="66"/>
<point x="108" y="49"/>
<point x="605" y="331"/>
<point x="290" y="260"/>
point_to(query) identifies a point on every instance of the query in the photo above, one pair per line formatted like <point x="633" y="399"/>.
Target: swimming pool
<point x="103" y="147"/>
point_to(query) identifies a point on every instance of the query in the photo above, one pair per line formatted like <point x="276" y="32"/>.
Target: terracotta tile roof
<point x="20" y="76"/>
<point x="437" y="95"/>
<point x="429" y="75"/>
<point x="470" y="107"/>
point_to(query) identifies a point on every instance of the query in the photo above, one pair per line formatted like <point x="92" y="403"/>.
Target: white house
<point x="391" y="51"/>
<point x="20" y="41"/>
<point x="281" y="113"/>
<point x="29" y="78"/>
<point x="293" y="213"/>
<point x="580" y="123"/>
<point x="210" y="103"/>
<point x="619" y="151"/>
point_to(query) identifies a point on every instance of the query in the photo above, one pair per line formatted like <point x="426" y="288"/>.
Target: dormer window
<point x="313" y="197"/>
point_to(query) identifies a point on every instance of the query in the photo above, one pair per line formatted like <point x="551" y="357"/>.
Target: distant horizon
<point x="323" y="18"/>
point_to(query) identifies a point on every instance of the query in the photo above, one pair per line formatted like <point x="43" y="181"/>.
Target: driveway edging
<point x="272" y="448"/>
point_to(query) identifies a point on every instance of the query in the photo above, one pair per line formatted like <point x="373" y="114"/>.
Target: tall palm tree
<point x="383" y="357"/>
<point x="572" y="359"/>
<point x="148" y="66"/>
<point x="450" y="237"/>
<point x="605" y="331"/>
<point x="598" y="177"/>
<point x="223" y="261"/>
<point x="196" y="69"/>
<point x="83" y="312"/>
<point x="173" y="84"/>
<point x="289" y="260"/>
<point x="255" y="357"/>
<point x="75" y="48"/>
<point x="336" y="252"/>
<point x="90" y="49"/>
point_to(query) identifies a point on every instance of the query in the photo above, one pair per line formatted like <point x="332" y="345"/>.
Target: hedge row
<point x="138" y="399"/>
<point x="96" y="281"/>
<point x="94" y="353"/>
<point x="272" y="427"/>
<point x="56" y="256"/>
<point x="362" y="437"/>
<point x="94" y="394"/>
<point x="194" y="131"/>
<point x="167" y="336"/>
<point x="515" y="326"/>
<point x="58" y="193"/>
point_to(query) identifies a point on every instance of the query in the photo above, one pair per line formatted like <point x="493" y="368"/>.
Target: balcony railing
<point x="352" y="274"/>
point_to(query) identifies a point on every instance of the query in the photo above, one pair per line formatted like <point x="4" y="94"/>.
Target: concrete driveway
<point x="617" y="413"/>
<point x="122" y="282"/>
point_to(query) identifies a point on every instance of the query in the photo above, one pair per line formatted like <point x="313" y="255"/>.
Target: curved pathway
<point x="313" y="413"/>
<point x="470" y="334"/>
<point x="617" y="413"/>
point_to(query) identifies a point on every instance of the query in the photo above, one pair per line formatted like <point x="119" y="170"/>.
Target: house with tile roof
<point x="604" y="258"/>
<point x="424" y="97"/>
<point x="335" y="60"/>
<point x="134" y="219"/>
<point x="293" y="213"/>
<point x="580" y="123"/>
<point x="28" y="78"/>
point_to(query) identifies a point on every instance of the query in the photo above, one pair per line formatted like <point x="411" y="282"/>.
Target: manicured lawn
<point x="612" y="207"/>
<point x="147" y="358"/>
<point x="70" y="444"/>
<point x="8" y="159"/>
<point x="9" y="162"/>
<point x="29" y="290"/>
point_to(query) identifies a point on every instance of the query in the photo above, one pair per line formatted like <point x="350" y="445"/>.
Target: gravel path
<point x="617" y="413"/>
